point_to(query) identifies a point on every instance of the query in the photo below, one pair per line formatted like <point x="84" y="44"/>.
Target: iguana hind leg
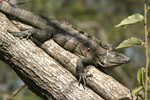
<point x="21" y="34"/>
<point x="40" y="35"/>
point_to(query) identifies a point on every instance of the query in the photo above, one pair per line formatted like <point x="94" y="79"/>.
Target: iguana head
<point x="113" y="59"/>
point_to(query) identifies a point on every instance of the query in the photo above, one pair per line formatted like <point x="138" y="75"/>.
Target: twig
<point x="17" y="91"/>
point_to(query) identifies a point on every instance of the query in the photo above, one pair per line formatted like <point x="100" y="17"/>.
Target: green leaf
<point x="129" y="43"/>
<point x="148" y="8"/>
<point x="139" y="76"/>
<point x="143" y="76"/>
<point x="135" y="91"/>
<point x="131" y="20"/>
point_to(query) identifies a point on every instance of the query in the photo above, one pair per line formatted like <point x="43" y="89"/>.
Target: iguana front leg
<point x="81" y="64"/>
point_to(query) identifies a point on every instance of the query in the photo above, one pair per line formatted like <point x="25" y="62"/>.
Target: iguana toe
<point x="21" y="34"/>
<point x="82" y="78"/>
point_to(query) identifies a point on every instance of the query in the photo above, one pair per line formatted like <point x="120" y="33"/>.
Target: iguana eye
<point x="88" y="49"/>
<point x="118" y="57"/>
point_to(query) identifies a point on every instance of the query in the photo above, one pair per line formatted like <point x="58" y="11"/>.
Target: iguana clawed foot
<point x="81" y="73"/>
<point x="21" y="34"/>
<point x="82" y="77"/>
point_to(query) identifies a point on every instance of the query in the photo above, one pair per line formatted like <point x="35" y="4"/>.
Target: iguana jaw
<point x="113" y="59"/>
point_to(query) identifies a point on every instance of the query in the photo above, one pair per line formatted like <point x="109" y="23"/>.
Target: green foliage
<point x="134" y="41"/>
<point x="140" y="77"/>
<point x="131" y="20"/>
<point x="129" y="43"/>
<point x="148" y="8"/>
<point x="136" y="90"/>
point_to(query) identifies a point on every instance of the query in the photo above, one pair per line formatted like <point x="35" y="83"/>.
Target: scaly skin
<point x="93" y="52"/>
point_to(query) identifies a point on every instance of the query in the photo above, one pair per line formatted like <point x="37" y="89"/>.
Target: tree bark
<point x="49" y="70"/>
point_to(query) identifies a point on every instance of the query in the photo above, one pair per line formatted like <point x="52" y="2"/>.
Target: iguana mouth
<point x="113" y="59"/>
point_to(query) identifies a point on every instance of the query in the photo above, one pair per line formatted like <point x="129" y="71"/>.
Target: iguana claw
<point x="82" y="77"/>
<point x="21" y="34"/>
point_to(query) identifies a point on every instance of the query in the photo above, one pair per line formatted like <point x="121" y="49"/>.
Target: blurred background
<point x="97" y="18"/>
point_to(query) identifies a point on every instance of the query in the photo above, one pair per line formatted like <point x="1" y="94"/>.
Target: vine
<point x="135" y="18"/>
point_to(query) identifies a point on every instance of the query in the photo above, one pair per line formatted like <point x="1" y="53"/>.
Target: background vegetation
<point x="96" y="17"/>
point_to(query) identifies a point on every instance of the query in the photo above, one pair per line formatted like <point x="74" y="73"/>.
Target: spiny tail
<point x="36" y="20"/>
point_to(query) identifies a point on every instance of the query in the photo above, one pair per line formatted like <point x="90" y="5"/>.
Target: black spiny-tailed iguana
<point x="76" y="41"/>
